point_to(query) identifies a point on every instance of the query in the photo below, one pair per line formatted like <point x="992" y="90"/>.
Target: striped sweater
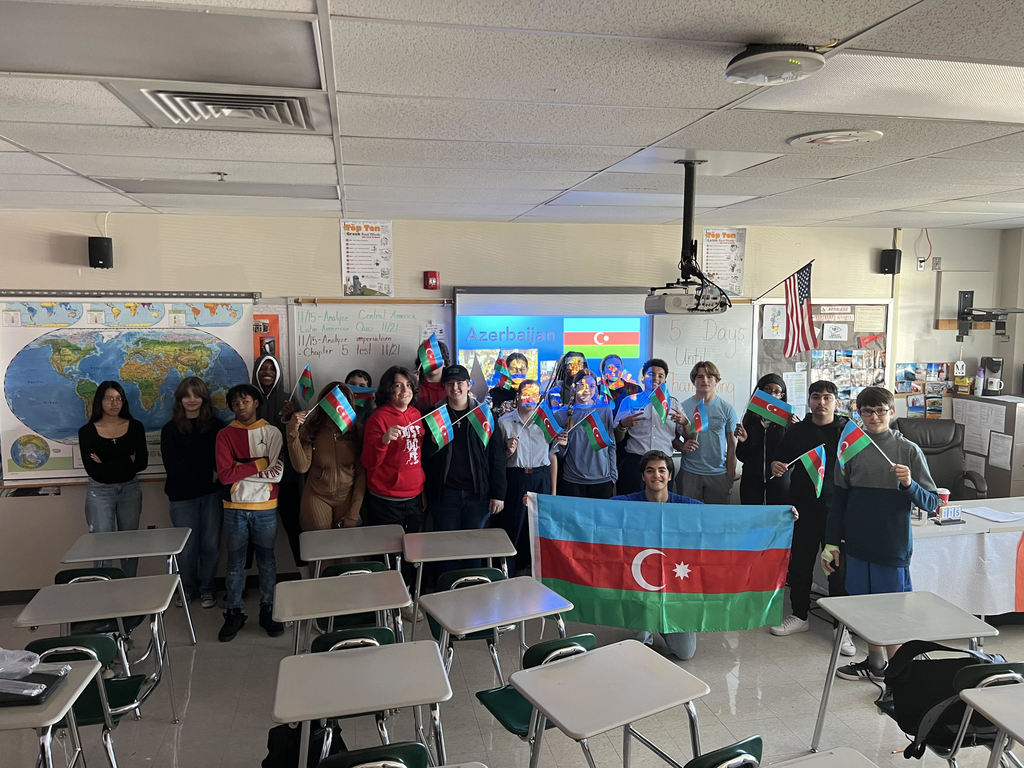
<point x="249" y="463"/>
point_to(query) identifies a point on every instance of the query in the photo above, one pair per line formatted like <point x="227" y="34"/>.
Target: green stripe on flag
<point x="670" y="612"/>
<point x="778" y="418"/>
<point x="600" y="350"/>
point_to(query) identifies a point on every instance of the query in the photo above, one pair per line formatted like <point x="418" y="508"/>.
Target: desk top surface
<point x="358" y="680"/>
<point x="840" y="757"/>
<point x="1002" y="704"/>
<point x="485" y="606"/>
<point x="351" y="542"/>
<point x="54" y="708"/>
<point x="893" y="618"/>
<point x="607" y="688"/>
<point x="146" y="542"/>
<point x="457" y="545"/>
<point x="339" y="595"/>
<point x="88" y="600"/>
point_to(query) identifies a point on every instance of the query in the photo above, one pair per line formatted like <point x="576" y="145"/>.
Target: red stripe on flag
<point x="601" y="338"/>
<point x="339" y="408"/>
<point x="800" y="334"/>
<point x="710" y="571"/>
<point x="768" y="406"/>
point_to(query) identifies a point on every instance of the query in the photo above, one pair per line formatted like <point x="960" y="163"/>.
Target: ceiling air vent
<point x="240" y="109"/>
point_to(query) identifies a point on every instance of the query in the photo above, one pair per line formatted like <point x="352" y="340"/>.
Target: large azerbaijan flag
<point x="663" y="567"/>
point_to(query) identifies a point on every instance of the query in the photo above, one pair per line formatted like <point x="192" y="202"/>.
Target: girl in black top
<point x="758" y="440"/>
<point x="113" y="449"/>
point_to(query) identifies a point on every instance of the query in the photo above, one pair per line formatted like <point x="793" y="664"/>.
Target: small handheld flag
<point x="545" y="419"/>
<point x="338" y="409"/>
<point x="597" y="435"/>
<point x="440" y="425"/>
<point x="851" y="442"/>
<point x="429" y="354"/>
<point x="700" y="417"/>
<point x="814" y="463"/>
<point x="483" y="422"/>
<point x="660" y="402"/>
<point x="306" y="383"/>
<point x="361" y="396"/>
<point x="771" y="408"/>
<point x="635" y="402"/>
<point x="502" y="375"/>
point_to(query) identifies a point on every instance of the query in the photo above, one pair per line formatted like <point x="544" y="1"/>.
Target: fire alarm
<point x="432" y="280"/>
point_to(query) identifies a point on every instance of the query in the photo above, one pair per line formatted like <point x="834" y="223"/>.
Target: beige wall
<point x="300" y="257"/>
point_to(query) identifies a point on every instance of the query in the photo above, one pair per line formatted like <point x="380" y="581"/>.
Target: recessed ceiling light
<point x="773" y="64"/>
<point x="831" y="138"/>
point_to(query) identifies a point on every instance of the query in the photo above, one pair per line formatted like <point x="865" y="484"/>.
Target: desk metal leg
<point x="560" y="624"/>
<point x="585" y="746"/>
<point x="420" y="735"/>
<point x="447" y="654"/>
<point x="691" y="713"/>
<point x="830" y="678"/>
<point x="521" y="627"/>
<point x="396" y="621"/>
<point x="163" y="657"/>
<point x="997" y="749"/>
<point x="435" y="720"/>
<point x="46" y="746"/>
<point x="76" y="741"/>
<point x="172" y="567"/>
<point x="416" y="600"/>
<point x="542" y="723"/>
<point x="295" y="638"/>
<point x="625" y="746"/>
<point x="304" y="742"/>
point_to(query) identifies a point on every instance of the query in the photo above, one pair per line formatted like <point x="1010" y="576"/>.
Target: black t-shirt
<point x="460" y="472"/>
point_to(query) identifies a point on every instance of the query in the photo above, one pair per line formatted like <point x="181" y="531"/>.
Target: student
<point x="335" y="486"/>
<point x="249" y="463"/>
<point x="656" y="469"/>
<point x="642" y="431"/>
<point x="707" y="468"/>
<point x="757" y="439"/>
<point x="530" y="465"/>
<point x="364" y="407"/>
<point x="870" y="514"/>
<point x="113" y="450"/>
<point x="616" y="378"/>
<point x="503" y="399"/>
<point x="188" y="449"/>
<point x="430" y="388"/>
<point x="560" y="392"/>
<point x="821" y="426"/>
<point x="585" y="472"/>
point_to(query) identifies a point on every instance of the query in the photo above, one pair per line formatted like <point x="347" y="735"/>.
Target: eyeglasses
<point x="774" y="391"/>
<point x="875" y="412"/>
<point x="114" y="399"/>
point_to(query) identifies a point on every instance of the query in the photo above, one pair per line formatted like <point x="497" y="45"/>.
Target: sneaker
<point x="790" y="626"/>
<point x="208" y="600"/>
<point x="846" y="646"/>
<point x="861" y="670"/>
<point x="177" y="600"/>
<point x="407" y="614"/>
<point x="274" y="628"/>
<point x="234" y="620"/>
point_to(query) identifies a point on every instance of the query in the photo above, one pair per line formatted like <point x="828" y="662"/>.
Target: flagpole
<point x="292" y="393"/>
<point x="780" y="283"/>
<point x="891" y="462"/>
<point x="570" y="429"/>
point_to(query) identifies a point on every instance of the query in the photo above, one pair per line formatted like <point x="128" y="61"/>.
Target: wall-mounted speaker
<point x="101" y="253"/>
<point x="890" y="263"/>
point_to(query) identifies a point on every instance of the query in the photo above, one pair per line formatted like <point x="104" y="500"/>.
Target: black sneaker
<point x="234" y="620"/>
<point x="861" y="670"/>
<point x="274" y="628"/>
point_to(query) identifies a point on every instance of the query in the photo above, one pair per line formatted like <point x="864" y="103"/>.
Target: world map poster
<point x="55" y="352"/>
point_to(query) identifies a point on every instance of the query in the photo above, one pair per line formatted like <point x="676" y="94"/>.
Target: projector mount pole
<point x="688" y="253"/>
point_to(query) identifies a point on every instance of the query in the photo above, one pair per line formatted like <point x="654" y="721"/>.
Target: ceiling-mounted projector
<point x="773" y="64"/>
<point x="705" y="300"/>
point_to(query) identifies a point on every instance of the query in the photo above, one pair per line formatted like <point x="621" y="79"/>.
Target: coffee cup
<point x="943" y="494"/>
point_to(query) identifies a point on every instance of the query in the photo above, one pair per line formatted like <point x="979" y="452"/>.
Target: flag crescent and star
<point x="681" y="570"/>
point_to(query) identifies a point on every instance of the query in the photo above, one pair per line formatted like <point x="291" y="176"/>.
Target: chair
<point x="508" y="706"/>
<point x="981" y="676"/>
<point x="942" y="441"/>
<point x="742" y="753"/>
<point x="328" y="624"/>
<point x="112" y="698"/>
<point x="467" y="577"/>
<point x="402" y="754"/>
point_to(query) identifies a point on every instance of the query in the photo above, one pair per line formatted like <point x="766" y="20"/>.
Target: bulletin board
<point x="854" y="347"/>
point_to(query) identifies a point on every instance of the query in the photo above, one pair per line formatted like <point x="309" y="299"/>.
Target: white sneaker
<point x="846" y="646"/>
<point x="790" y="626"/>
<point x="407" y="614"/>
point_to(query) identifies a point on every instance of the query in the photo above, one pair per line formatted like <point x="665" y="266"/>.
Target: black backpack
<point x="925" y="702"/>
<point x="283" y="744"/>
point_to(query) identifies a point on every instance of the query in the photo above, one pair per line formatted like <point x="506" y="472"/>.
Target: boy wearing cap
<point x="249" y="463"/>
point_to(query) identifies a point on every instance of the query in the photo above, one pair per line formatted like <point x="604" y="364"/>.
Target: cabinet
<point x="994" y="426"/>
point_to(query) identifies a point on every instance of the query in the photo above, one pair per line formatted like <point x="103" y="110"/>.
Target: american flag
<point x="799" y="324"/>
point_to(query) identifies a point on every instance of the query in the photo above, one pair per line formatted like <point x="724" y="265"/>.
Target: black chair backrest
<point x="942" y="442"/>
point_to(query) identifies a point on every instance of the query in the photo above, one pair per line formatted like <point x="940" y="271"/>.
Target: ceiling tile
<point x="575" y="197"/>
<point x="227" y="188"/>
<point x="895" y="190"/>
<point x="912" y="219"/>
<point x="61" y="200"/>
<point x="185" y="144"/>
<point x="44" y="100"/>
<point x="1003" y="148"/>
<point x="26" y="162"/>
<point x="821" y="165"/>
<point x="666" y="183"/>
<point x="1013" y="196"/>
<point x="602" y="213"/>
<point x="456" y="62"/>
<point x="478" y="154"/>
<point x="492" y="121"/>
<point x="211" y="203"/>
<point x="276" y="6"/>
<point x="935" y="170"/>
<point x="356" y="194"/>
<point x="713" y="163"/>
<point x="412" y="210"/>
<point x="440" y="177"/>
<point x="12" y="182"/>
<point x="972" y="206"/>
<point x="199" y="170"/>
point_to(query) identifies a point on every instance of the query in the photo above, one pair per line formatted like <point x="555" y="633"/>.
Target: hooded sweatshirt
<point x="393" y="471"/>
<point x="270" y="411"/>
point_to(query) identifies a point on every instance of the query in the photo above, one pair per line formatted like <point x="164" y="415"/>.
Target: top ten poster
<point x="366" y="258"/>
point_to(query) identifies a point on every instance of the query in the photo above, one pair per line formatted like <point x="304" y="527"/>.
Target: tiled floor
<point x="759" y="684"/>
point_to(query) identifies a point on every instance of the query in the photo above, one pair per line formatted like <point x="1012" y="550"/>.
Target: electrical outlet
<point x="920" y="265"/>
<point x="936" y="263"/>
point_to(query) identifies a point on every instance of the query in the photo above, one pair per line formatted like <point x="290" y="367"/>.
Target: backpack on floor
<point x="283" y="745"/>
<point x="924" y="702"/>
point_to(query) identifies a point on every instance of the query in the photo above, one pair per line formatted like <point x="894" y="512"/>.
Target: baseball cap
<point x="455" y="373"/>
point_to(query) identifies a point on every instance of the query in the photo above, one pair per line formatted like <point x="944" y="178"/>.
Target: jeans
<point x="114" y="507"/>
<point x="682" y="644"/>
<point x="240" y="527"/>
<point x="459" y="510"/>
<point x="198" y="560"/>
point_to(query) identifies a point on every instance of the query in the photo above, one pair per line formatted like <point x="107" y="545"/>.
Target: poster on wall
<point x="724" y="251"/>
<point x="56" y="351"/>
<point x="366" y="258"/>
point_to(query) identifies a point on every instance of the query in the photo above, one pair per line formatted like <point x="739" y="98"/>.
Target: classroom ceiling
<point x="529" y="110"/>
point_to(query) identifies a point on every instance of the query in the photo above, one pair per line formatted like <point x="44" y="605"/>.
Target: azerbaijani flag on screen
<point x="644" y="565"/>
<point x="660" y="401"/>
<point x="597" y="435"/>
<point x="429" y="354"/>
<point x="482" y="421"/>
<point x="814" y="463"/>
<point x="545" y="419"/>
<point x="600" y="336"/>
<point x="770" y="407"/>
<point x="502" y="375"/>
<point x="361" y="396"/>
<point x="851" y="442"/>
<point x="700" y="417"/>
<point x="306" y="383"/>
<point x="337" y="407"/>
<point x="440" y="425"/>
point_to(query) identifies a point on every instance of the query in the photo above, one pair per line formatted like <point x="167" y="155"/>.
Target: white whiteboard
<point x="725" y="339"/>
<point x="336" y="337"/>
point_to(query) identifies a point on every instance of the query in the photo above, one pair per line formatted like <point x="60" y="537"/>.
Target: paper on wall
<point x="834" y="332"/>
<point x="869" y="318"/>
<point x="796" y="390"/>
<point x="975" y="464"/>
<point x="1000" y="450"/>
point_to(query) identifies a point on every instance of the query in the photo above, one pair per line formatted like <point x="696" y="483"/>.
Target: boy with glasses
<point x="870" y="514"/>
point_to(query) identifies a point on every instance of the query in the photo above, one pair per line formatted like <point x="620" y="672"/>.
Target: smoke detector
<point x="773" y="64"/>
<point x="836" y="138"/>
